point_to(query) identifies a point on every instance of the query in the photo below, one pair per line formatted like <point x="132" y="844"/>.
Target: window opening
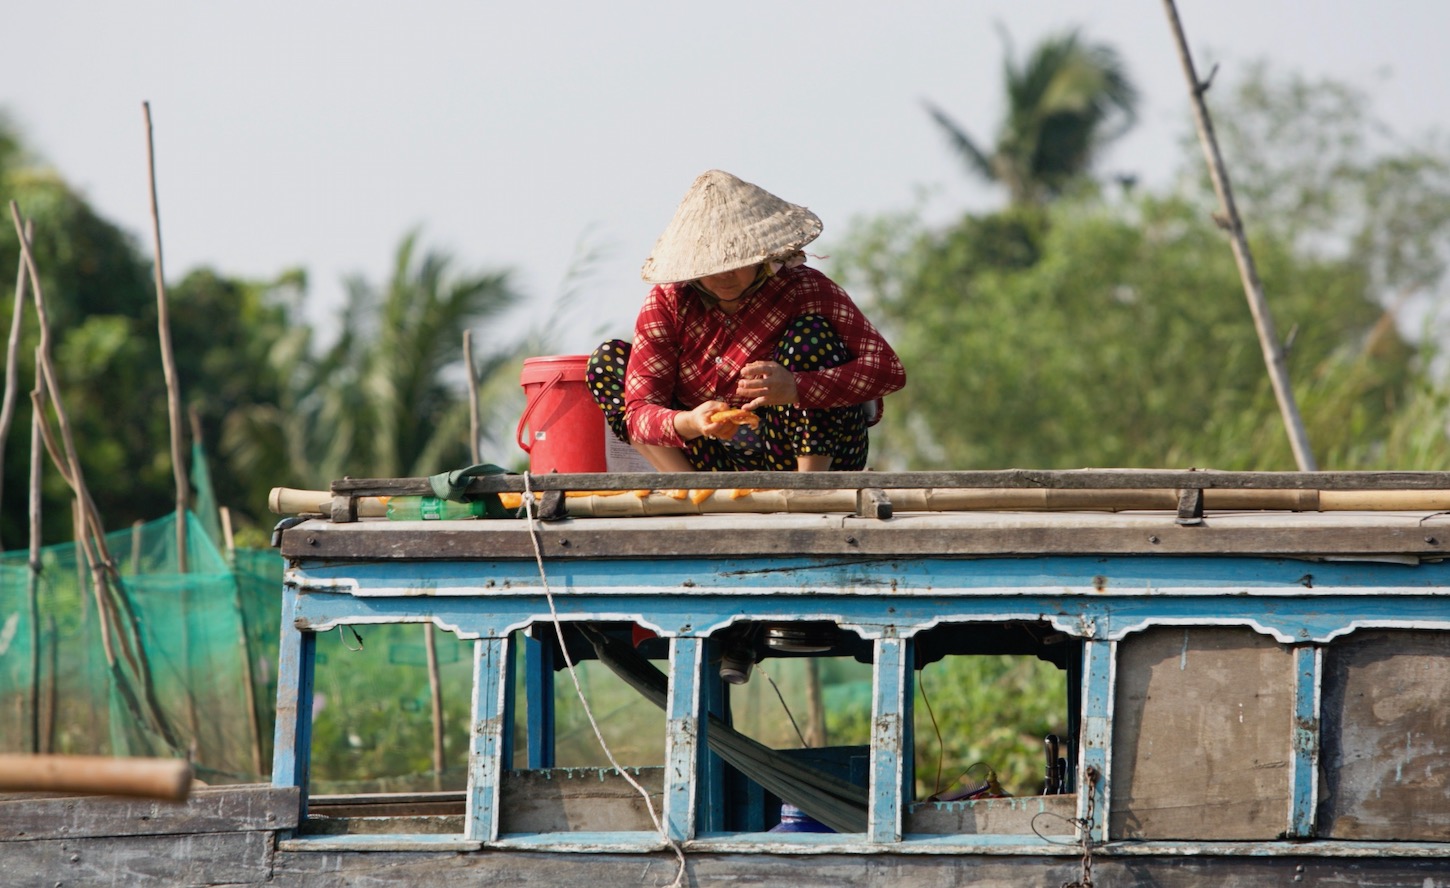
<point x="372" y="749"/>
<point x="995" y="720"/>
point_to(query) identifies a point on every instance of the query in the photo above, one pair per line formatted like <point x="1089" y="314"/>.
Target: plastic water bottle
<point x="432" y="508"/>
<point x="793" y="819"/>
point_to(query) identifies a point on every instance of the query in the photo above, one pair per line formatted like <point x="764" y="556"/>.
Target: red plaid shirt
<point x="686" y="354"/>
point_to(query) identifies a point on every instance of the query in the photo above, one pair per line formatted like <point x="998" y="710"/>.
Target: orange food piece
<point x="737" y="416"/>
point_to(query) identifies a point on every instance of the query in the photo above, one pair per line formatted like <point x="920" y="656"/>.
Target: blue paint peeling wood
<point x="1304" y="774"/>
<point x="683" y="741"/>
<point x="486" y="738"/>
<point x="1289" y="619"/>
<point x="885" y="600"/>
<point x="888" y="715"/>
<point x="292" y="738"/>
<point x="786" y="577"/>
<point x="1096" y="749"/>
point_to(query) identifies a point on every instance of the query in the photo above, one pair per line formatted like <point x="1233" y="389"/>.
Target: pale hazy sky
<point x="518" y="134"/>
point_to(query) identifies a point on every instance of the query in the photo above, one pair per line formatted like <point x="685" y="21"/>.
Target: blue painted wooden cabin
<point x="1257" y="670"/>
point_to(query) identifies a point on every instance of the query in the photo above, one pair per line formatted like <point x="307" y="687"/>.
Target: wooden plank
<point x="383" y="869"/>
<point x="1029" y="815"/>
<point x="407" y="825"/>
<point x="389" y="804"/>
<point x="32" y="817"/>
<point x="598" y="538"/>
<point x="1386" y="737"/>
<point x="1202" y="743"/>
<point x="199" y="859"/>
<point x="1071" y="479"/>
<point x="578" y="800"/>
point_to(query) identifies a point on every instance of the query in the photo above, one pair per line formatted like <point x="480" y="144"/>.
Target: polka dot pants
<point x="810" y="343"/>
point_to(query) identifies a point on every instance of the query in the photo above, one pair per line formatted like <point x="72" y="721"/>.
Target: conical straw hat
<point x="724" y="224"/>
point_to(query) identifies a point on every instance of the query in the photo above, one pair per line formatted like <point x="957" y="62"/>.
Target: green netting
<point x="173" y="672"/>
<point x="192" y="668"/>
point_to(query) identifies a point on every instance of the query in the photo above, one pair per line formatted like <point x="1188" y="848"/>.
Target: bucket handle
<point x="528" y="411"/>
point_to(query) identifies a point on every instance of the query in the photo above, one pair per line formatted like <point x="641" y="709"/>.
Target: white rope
<point x="578" y="689"/>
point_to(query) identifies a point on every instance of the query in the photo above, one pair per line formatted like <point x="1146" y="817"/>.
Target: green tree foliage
<point x="387" y="397"/>
<point x="1098" y="333"/>
<point x="1063" y="104"/>
<point x="96" y="291"/>
<point x="101" y="303"/>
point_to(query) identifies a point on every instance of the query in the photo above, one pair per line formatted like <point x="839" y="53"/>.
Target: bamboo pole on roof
<point x="168" y="359"/>
<point x="1253" y="288"/>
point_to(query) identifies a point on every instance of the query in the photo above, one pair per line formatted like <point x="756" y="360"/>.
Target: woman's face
<point x="728" y="286"/>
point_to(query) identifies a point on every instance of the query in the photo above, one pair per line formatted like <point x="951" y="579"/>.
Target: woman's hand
<point x="766" y="383"/>
<point x="697" y="424"/>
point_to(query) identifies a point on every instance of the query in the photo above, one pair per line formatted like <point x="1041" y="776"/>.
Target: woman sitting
<point x="737" y="320"/>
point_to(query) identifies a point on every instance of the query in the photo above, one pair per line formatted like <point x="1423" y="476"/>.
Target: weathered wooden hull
<point x="236" y="836"/>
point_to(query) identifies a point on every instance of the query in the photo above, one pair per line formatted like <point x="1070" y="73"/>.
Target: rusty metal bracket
<point x="1190" y="507"/>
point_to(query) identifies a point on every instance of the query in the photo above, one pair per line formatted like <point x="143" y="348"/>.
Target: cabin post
<point x="487" y="738"/>
<point x="715" y="703"/>
<point x="539" y="689"/>
<point x="1304" y="776"/>
<point x="888" y="720"/>
<point x="292" y="736"/>
<point x="1094" y="794"/>
<point x="683" y="746"/>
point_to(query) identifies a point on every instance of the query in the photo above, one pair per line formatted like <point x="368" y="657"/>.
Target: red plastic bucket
<point x="565" y="428"/>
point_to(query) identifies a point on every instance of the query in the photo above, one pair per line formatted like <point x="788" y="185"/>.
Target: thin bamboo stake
<point x="136" y="528"/>
<point x="12" y="353"/>
<point x="47" y="728"/>
<point x="32" y="578"/>
<point x="473" y="426"/>
<point x="1254" y="289"/>
<point x="229" y="540"/>
<point x="435" y="692"/>
<point x="90" y="535"/>
<point x="85" y="576"/>
<point x="168" y="359"/>
<point x="430" y="631"/>
<point x="70" y="465"/>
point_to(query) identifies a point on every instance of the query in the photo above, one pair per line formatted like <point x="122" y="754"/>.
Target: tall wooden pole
<point x="32" y="576"/>
<point x="473" y="428"/>
<point x="430" y="632"/>
<point x="12" y="351"/>
<point x="1253" y="288"/>
<point x="168" y="359"/>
